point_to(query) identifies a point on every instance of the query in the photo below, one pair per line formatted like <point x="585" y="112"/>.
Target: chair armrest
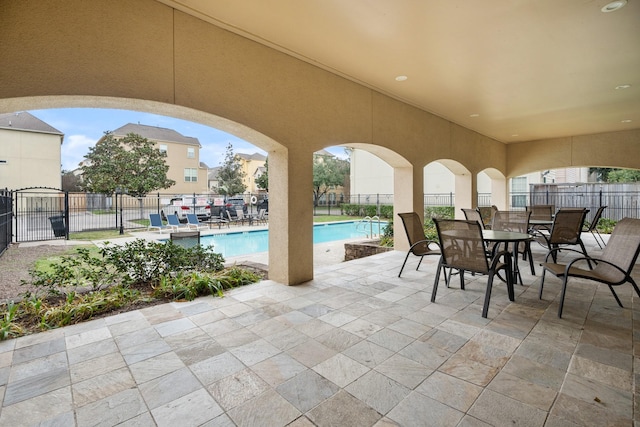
<point x="495" y="259"/>
<point x="563" y="249"/>
<point x="595" y="260"/>
<point x="427" y="241"/>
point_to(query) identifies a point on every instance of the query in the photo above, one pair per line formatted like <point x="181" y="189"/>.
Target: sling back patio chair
<point x="473" y="215"/>
<point x="486" y="213"/>
<point x="565" y="231"/>
<point x="592" y="228"/>
<point x="155" y="221"/>
<point x="517" y="221"/>
<point x="612" y="268"/>
<point x="541" y="213"/>
<point x="463" y="248"/>
<point x="420" y="245"/>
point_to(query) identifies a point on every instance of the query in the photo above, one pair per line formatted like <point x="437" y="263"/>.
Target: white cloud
<point x="74" y="148"/>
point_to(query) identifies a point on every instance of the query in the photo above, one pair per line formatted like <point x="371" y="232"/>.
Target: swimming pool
<point x="249" y="242"/>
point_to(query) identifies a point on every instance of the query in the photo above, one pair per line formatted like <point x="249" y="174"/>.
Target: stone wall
<point x="355" y="250"/>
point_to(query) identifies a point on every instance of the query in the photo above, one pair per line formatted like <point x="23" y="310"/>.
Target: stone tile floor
<point x="357" y="346"/>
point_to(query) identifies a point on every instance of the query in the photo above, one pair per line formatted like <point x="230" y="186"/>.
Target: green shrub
<point x="142" y="261"/>
<point x="606" y="225"/>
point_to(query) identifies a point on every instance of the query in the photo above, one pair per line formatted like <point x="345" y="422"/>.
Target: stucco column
<point x="407" y="197"/>
<point x="290" y="216"/>
<point x="500" y="193"/>
<point x="465" y="185"/>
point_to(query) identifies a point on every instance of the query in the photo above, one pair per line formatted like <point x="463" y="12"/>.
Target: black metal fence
<point x="6" y="220"/>
<point x="43" y="214"/>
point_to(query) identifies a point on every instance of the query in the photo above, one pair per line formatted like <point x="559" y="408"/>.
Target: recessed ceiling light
<point x="515" y="134"/>
<point x="625" y="86"/>
<point x="626" y="121"/>
<point x="613" y="6"/>
<point x="474" y="115"/>
<point x="401" y="78"/>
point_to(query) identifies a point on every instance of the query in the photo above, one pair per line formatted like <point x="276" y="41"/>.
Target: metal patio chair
<point x="463" y="248"/>
<point x="612" y="268"/>
<point x="420" y="245"/>
<point x="592" y="228"/>
<point x="517" y="221"/>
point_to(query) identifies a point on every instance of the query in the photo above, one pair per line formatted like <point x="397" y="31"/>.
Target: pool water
<point x="249" y="242"/>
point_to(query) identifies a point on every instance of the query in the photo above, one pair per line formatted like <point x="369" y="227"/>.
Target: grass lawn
<point x="97" y="235"/>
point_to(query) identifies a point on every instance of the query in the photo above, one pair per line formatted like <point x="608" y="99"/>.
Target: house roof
<point x="26" y="122"/>
<point x="156" y="133"/>
<point x="213" y="173"/>
<point x="254" y="156"/>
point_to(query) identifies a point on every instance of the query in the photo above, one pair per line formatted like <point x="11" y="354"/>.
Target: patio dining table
<point x="497" y="236"/>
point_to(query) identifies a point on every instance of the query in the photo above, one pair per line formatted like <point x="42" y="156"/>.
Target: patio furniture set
<point x="471" y="246"/>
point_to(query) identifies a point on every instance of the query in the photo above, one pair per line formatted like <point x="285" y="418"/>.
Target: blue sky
<point x="83" y="127"/>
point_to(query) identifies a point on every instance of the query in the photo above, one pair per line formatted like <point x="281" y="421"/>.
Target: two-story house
<point x="183" y="156"/>
<point x="30" y="151"/>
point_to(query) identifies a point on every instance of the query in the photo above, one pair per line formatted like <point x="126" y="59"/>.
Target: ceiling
<point x="513" y="70"/>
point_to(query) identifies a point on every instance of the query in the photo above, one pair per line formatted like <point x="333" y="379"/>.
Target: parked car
<point x="183" y="205"/>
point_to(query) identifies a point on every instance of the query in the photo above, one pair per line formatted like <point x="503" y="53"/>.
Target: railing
<point x="6" y="219"/>
<point x="368" y="221"/>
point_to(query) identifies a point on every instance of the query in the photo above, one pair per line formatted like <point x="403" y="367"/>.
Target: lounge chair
<point x="613" y="268"/>
<point x="194" y="223"/>
<point x="175" y="223"/>
<point x="464" y="249"/>
<point x="420" y="245"/>
<point x="155" y="221"/>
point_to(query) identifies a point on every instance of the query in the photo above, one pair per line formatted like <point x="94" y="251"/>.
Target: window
<point x="191" y="153"/>
<point x="519" y="192"/>
<point x="190" y="175"/>
<point x="163" y="148"/>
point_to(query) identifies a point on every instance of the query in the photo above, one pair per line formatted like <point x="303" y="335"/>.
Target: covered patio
<point x="356" y="346"/>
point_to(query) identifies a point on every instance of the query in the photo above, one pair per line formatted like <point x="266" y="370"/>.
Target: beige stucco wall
<point x="143" y="55"/>
<point x="32" y="159"/>
<point x="177" y="160"/>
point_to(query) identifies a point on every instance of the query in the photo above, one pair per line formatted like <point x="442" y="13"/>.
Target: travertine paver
<point x="357" y="346"/>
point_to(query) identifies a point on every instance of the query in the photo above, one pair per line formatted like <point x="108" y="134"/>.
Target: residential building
<point x="183" y="157"/>
<point x="371" y="175"/>
<point x="212" y="179"/>
<point x="250" y="164"/>
<point x="30" y="152"/>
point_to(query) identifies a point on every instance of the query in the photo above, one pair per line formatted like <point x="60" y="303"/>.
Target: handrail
<point x="369" y="220"/>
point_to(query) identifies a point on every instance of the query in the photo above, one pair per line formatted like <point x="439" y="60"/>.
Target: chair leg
<point x="562" y="295"/>
<point x="584" y="251"/>
<point x="541" y="284"/>
<point x="615" y="295"/>
<point x="419" y="262"/>
<point x="487" y="295"/>
<point x="437" y="279"/>
<point x="596" y="239"/>
<point x="530" y="256"/>
<point x="405" y="261"/>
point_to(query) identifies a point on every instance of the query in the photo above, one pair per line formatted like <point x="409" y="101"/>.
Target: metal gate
<point x="40" y="213"/>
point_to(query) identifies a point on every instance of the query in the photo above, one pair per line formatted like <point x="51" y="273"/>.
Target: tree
<point x="624" y="175"/>
<point x="328" y="172"/>
<point x="616" y="175"/>
<point x="231" y="174"/>
<point x="71" y="182"/>
<point x="263" y="180"/>
<point x="132" y="164"/>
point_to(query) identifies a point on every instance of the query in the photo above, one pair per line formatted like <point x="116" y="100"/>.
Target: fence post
<point x="116" y="210"/>
<point x="66" y="215"/>
<point x="158" y="202"/>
